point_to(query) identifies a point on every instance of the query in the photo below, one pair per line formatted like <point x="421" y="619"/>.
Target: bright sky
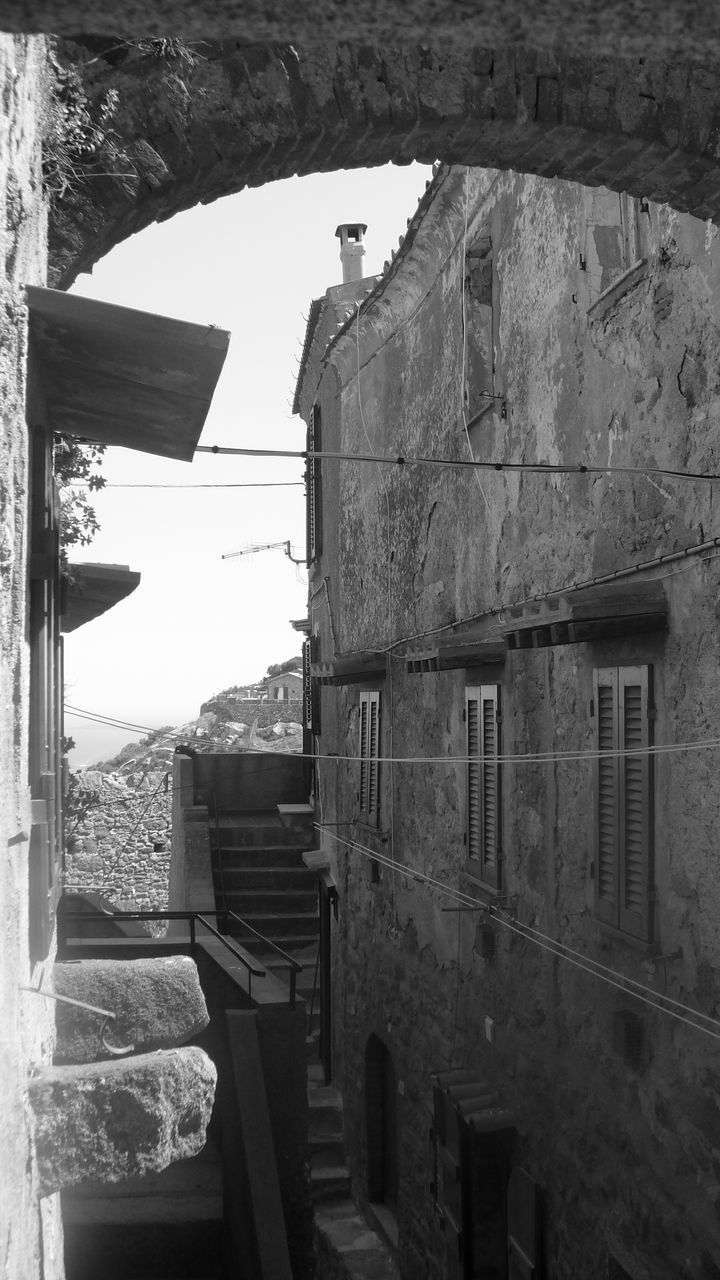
<point x="251" y="264"/>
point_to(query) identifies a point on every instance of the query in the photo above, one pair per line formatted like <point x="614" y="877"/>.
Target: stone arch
<point x="179" y="131"/>
<point x="381" y="1124"/>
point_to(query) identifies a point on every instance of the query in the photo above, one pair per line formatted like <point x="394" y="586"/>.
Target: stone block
<point x="120" y="1119"/>
<point x="158" y="1003"/>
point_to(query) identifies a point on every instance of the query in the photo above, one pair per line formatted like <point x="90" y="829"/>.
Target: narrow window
<point x="624" y="799"/>
<point x="484" y="807"/>
<point x="369" y="798"/>
<point x="480" y="336"/>
<point x="313" y="481"/>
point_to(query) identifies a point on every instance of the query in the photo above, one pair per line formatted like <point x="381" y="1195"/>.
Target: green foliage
<point x="77" y="461"/>
<point x="279" y="668"/>
<point x="78" y="133"/>
<point x="77" y="803"/>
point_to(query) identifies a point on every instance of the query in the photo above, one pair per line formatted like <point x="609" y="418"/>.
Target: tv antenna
<point x="264" y="546"/>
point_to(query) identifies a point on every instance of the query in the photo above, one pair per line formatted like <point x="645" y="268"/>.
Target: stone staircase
<point x="346" y="1246"/>
<point x="258" y="872"/>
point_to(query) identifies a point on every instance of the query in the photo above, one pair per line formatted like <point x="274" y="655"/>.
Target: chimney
<point x="352" y="249"/>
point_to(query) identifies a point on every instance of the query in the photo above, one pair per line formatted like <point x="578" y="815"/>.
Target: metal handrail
<point x="193" y="918"/>
<point x="294" y="965"/>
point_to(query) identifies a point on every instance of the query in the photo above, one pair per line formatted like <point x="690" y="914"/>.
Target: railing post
<point x="192" y="935"/>
<point x="293" y="978"/>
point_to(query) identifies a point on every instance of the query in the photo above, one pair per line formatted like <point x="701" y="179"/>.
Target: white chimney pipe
<point x="352" y="249"/>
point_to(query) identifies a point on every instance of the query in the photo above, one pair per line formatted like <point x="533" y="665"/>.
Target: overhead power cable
<point x="464" y="464"/>
<point x="529" y="757"/>
<point x="630" y="986"/>
<point x="259" y="484"/>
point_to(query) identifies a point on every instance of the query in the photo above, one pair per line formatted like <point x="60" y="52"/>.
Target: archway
<point x="175" y="124"/>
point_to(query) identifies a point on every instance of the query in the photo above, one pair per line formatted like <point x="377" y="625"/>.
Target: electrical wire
<point x="534" y="468"/>
<point x="530" y="757"/>
<point x="260" y="484"/>
<point x="629" y="986"/>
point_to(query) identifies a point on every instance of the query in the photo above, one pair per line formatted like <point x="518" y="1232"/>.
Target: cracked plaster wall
<point x="30" y="1229"/>
<point x="628" y="1159"/>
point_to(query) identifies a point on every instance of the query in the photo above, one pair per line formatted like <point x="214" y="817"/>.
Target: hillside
<point x="242" y="718"/>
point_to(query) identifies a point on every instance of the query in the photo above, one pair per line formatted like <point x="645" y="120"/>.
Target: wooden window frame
<point x="623" y="712"/>
<point x="369" y="752"/>
<point x="484" y="784"/>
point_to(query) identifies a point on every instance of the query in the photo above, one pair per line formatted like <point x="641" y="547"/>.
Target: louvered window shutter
<point x="482" y="711"/>
<point x="624" y="799"/>
<point x="363" y="754"/>
<point x="373" y="753"/>
<point x="606" y="795"/>
<point x="472" y="718"/>
<point x="635" y="807"/>
<point x="369" y="797"/>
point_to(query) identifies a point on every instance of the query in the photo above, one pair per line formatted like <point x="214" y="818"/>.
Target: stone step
<point x="266" y="856"/>
<point x="252" y="837"/>
<point x="328" y="1180"/>
<point x="316" y="1076"/>
<point x="330" y="1149"/>
<point x="345" y="1245"/>
<point x="293" y="879"/>
<point x="272" y="924"/>
<point x="258" y="901"/>
<point x="325" y="1118"/>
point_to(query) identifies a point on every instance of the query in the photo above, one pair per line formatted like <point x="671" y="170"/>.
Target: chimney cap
<point x="359" y="227"/>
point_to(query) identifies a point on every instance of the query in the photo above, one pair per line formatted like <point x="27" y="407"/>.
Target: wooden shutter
<point x="635" y="802"/>
<point x="369" y="796"/>
<point x="313" y="484"/>
<point x="606" y="795"/>
<point x="311" y="692"/>
<point x="482" y="714"/>
<point x="624" y="800"/>
<point x="523" y="1226"/>
<point x="472" y="718"/>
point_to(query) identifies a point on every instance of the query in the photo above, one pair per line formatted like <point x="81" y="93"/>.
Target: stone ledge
<point x="158" y="1004"/>
<point x="119" y="1119"/>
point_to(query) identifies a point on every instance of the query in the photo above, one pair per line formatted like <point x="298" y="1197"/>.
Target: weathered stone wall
<point x="619" y="27"/>
<point x="192" y="126"/>
<point x="30" y="1243"/>
<point x="627" y="1153"/>
<point x="110" y="847"/>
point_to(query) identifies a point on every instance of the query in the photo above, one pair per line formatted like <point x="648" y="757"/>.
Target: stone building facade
<point x="514" y="695"/>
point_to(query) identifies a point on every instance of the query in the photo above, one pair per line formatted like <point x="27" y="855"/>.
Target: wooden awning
<point x="607" y="611"/>
<point x="357" y="669"/>
<point x="92" y="589"/>
<point x="124" y="377"/>
<point x="456" y="652"/>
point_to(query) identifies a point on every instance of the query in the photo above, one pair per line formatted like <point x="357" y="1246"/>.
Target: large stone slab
<point x="157" y="1004"/>
<point x="121" y="1118"/>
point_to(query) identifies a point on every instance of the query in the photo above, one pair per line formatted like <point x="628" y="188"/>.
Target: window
<point x="484" y="801"/>
<point x="369" y="799"/>
<point x="613" y="236"/>
<point x="480" y="337"/>
<point x="624" y="806"/>
<point x="313" y="489"/>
